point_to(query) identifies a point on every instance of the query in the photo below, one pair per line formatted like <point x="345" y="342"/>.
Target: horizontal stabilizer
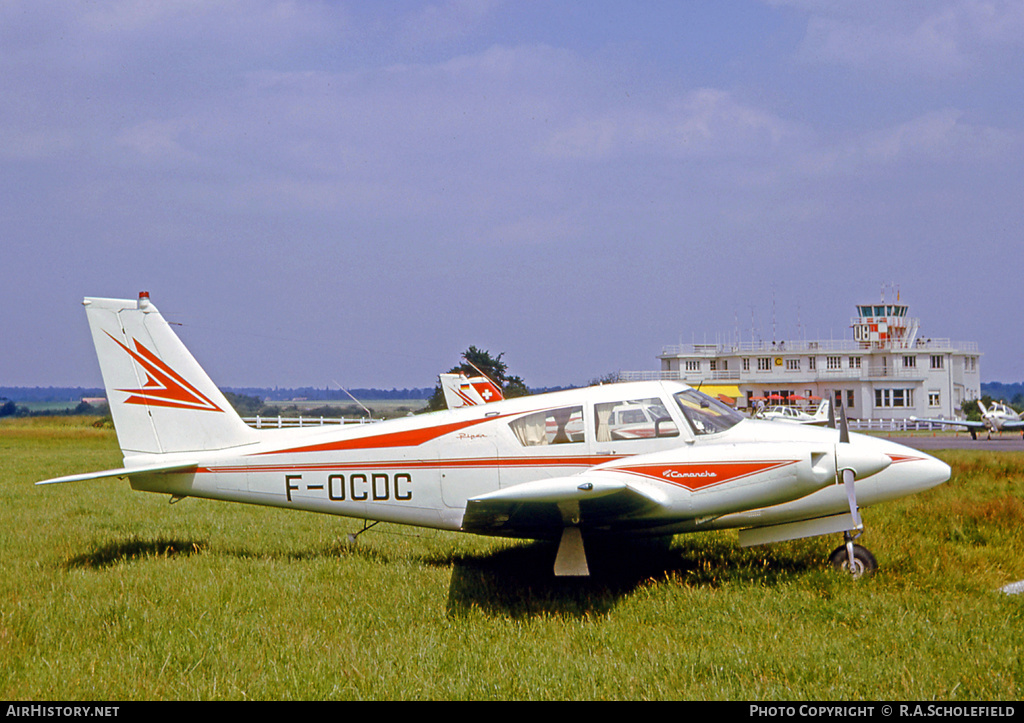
<point x="124" y="472"/>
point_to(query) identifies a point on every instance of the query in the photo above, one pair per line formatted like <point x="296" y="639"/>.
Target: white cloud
<point x="448" y="20"/>
<point x="910" y="39"/>
<point x="703" y="122"/>
<point x="933" y="138"/>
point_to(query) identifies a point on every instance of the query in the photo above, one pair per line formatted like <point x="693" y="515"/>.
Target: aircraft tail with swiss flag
<point x="463" y="391"/>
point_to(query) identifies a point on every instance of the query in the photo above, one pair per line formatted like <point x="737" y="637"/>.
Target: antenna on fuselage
<point x="369" y="414"/>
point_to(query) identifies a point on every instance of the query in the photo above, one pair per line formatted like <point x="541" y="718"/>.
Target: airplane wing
<point x="544" y="507"/>
<point x="124" y="472"/>
<point x="966" y="423"/>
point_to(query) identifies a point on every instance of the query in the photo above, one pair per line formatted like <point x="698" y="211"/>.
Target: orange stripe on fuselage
<point x="700" y="475"/>
<point x="405" y="438"/>
<point x="584" y="462"/>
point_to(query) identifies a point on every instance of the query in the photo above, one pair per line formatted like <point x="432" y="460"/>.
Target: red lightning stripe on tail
<point x="164" y="387"/>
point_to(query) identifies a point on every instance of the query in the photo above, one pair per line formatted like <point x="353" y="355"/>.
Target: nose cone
<point x="925" y="472"/>
<point x="911" y="471"/>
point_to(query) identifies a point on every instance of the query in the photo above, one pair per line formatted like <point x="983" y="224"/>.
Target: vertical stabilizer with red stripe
<point x="160" y="398"/>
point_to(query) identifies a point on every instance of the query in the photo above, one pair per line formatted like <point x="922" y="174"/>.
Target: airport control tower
<point x="886" y="370"/>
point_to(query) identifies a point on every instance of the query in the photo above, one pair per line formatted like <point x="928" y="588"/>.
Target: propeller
<point x="848" y="477"/>
<point x="847" y="473"/>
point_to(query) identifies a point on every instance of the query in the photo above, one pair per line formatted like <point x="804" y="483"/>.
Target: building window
<point x="936" y="361"/>
<point x="834" y="362"/>
<point x="812" y="362"/>
<point x="854" y="362"/>
<point x="849" y="398"/>
<point x="793" y="365"/>
<point x="692" y="365"/>
<point x="764" y="364"/>
<point x="746" y="365"/>
<point x="910" y="362"/>
<point x="886" y="398"/>
<point x="934" y="399"/>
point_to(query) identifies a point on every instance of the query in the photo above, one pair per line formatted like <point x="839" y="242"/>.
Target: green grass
<point x="109" y="594"/>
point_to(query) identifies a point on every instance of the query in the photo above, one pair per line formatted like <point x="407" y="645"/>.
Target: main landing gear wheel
<point x="864" y="563"/>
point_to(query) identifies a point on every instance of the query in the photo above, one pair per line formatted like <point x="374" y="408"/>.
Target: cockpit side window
<point x="552" y="426"/>
<point x="633" y="419"/>
<point x="704" y="414"/>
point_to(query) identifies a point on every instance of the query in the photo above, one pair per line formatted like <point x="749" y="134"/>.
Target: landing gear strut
<point x="853" y="559"/>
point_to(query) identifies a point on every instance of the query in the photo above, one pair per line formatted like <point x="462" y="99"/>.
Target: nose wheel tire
<point x="864" y="563"/>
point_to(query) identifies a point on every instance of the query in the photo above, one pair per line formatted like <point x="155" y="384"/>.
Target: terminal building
<point x="887" y="371"/>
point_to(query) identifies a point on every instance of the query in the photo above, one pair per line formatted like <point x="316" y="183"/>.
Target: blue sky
<point x="352" y="193"/>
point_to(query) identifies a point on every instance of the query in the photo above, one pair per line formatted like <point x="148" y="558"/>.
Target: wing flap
<point x="545" y="507"/>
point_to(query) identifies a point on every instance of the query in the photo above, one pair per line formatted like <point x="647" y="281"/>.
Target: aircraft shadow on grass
<point x="517" y="581"/>
<point x="119" y="551"/>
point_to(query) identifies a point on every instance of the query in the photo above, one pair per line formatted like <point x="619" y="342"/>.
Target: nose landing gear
<point x="853" y="559"/>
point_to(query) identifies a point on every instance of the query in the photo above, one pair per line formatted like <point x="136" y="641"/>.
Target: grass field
<point x="109" y="594"/>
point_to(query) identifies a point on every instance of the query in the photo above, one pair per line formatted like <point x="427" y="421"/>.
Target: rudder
<point x="161" y="400"/>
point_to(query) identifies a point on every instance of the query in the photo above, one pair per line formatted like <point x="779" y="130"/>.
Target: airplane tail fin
<point x="463" y="391"/>
<point x="822" y="412"/>
<point x="160" y="398"/>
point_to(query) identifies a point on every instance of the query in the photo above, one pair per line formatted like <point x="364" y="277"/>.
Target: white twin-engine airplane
<point x="998" y="418"/>
<point x="792" y="414"/>
<point x="564" y="465"/>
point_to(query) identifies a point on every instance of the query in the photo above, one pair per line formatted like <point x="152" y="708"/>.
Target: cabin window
<point x="633" y="419"/>
<point x="552" y="426"/>
<point x="704" y="414"/>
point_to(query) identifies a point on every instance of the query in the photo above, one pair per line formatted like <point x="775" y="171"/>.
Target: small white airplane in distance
<point x="792" y="414"/>
<point x="463" y="391"/>
<point x="553" y="465"/>
<point x="999" y="418"/>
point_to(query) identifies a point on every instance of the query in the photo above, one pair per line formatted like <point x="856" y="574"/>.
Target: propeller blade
<point x="848" y="474"/>
<point x="851" y="496"/>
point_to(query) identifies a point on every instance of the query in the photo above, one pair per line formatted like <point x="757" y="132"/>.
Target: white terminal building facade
<point x="887" y="371"/>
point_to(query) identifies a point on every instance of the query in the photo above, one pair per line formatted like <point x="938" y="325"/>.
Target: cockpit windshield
<point x="706" y="415"/>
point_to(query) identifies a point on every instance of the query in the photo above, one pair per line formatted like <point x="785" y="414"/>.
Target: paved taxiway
<point x="1003" y="443"/>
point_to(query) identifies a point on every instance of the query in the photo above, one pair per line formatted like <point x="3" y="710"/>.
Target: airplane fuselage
<point x="423" y="470"/>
